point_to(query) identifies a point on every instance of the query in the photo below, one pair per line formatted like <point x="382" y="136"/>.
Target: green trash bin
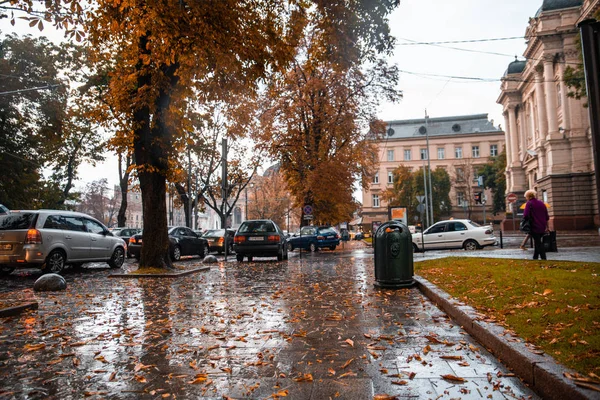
<point x="393" y="250"/>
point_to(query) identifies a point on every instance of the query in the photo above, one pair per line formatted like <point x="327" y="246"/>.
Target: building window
<point x="475" y="151"/>
<point x="407" y="155"/>
<point x="376" y="177"/>
<point x="390" y="155"/>
<point x="375" y="200"/>
<point x="558" y="94"/>
<point x="390" y="177"/>
<point x="493" y="150"/>
<point x="460" y="198"/>
<point x="441" y="153"/>
<point x="458" y="152"/>
<point x="460" y="174"/>
<point x="423" y="154"/>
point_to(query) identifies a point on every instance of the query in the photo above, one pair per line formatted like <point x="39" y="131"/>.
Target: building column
<point x="564" y="100"/>
<point x="514" y="140"/>
<point x="551" y="99"/>
<point x="507" y="139"/>
<point x="541" y="107"/>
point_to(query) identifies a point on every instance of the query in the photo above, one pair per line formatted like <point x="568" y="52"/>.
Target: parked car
<point x="51" y="239"/>
<point x="125" y="234"/>
<point x="260" y="238"/>
<point x="359" y="236"/>
<point x="182" y="242"/>
<point x="313" y="238"/>
<point x="454" y="234"/>
<point x="216" y="240"/>
<point x="3" y="210"/>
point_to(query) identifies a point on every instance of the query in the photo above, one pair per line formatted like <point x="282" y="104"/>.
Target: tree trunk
<point x="151" y="149"/>
<point x="124" y="185"/>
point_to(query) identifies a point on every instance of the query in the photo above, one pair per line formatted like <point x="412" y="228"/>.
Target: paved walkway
<point x="310" y="328"/>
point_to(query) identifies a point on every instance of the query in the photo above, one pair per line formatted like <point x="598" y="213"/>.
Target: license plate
<point x="6" y="247"/>
<point x="259" y="238"/>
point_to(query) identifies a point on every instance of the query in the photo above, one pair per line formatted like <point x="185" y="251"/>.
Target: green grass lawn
<point x="554" y="305"/>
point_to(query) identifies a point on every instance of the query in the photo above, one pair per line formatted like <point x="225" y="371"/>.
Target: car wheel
<point x="416" y="248"/>
<point x="176" y="255"/>
<point x="249" y="258"/>
<point x="55" y="262"/>
<point x="117" y="259"/>
<point x="6" y="270"/>
<point x="280" y="255"/>
<point x="331" y="247"/>
<point x="203" y="251"/>
<point x="312" y="247"/>
<point x="470" y="245"/>
<point x="290" y="247"/>
<point x="239" y="257"/>
<point x="286" y="255"/>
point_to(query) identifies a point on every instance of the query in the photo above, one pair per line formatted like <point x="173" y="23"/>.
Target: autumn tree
<point x="269" y="198"/>
<point x="495" y="179"/>
<point x="99" y="201"/>
<point x="44" y="123"/>
<point x="319" y="115"/>
<point x="408" y="185"/>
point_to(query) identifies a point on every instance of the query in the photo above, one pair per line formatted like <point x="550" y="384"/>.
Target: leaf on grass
<point x="350" y="342"/>
<point x="331" y="371"/>
<point x="547" y="292"/>
<point x="453" y="378"/>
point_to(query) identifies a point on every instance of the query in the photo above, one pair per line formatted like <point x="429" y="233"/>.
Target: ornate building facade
<point x="548" y="136"/>
<point x="459" y="144"/>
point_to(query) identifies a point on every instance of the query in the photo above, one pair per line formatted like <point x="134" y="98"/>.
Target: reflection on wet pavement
<point x="307" y="328"/>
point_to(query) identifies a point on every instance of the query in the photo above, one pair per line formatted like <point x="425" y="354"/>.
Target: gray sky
<point x="441" y="95"/>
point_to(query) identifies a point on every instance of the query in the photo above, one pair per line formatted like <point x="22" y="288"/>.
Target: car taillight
<point x="221" y="240"/>
<point x="33" y="237"/>
<point x="273" y="238"/>
<point x="320" y="237"/>
<point x="489" y="232"/>
<point x="239" y="239"/>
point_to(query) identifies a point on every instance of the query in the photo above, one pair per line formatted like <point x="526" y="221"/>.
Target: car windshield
<point x="16" y="221"/>
<point x="327" y="230"/>
<point x="215" y="232"/>
<point x="475" y="224"/>
<point x="257" y="227"/>
<point x="308" y="230"/>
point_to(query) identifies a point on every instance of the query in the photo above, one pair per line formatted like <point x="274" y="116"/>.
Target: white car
<point x="454" y="234"/>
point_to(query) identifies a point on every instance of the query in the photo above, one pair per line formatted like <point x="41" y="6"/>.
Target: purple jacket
<point x="537" y="213"/>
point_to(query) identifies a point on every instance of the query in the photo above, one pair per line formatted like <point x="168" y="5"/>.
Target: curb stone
<point x="543" y="374"/>
<point x="12" y="311"/>
<point x="169" y="275"/>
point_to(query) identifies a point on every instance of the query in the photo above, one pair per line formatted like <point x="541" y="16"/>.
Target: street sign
<point x="511" y="197"/>
<point x="308" y="216"/>
<point x="420" y="198"/>
<point x="308" y="210"/>
<point x="420" y="208"/>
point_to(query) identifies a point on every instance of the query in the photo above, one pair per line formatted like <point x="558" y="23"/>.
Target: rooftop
<point x="454" y="125"/>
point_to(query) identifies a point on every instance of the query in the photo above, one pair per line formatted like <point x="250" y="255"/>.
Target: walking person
<point x="524" y="242"/>
<point x="537" y="213"/>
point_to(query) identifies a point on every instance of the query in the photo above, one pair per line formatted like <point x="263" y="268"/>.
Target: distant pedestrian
<point x="537" y="213"/>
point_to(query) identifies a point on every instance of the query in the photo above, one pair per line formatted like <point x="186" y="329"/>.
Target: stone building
<point x="459" y="144"/>
<point x="548" y="135"/>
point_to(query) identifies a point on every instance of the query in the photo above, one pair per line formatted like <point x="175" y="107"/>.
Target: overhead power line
<point x="30" y="89"/>
<point x="415" y="43"/>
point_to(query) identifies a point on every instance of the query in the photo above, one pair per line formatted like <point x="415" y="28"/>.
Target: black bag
<point x="549" y="241"/>
<point x="525" y="225"/>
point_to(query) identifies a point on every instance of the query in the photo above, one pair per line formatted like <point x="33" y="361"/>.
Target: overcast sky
<point x="430" y="78"/>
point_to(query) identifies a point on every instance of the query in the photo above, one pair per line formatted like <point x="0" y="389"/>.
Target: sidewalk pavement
<point x="310" y="328"/>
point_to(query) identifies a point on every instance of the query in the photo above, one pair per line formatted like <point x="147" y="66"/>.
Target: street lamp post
<point x="246" y="190"/>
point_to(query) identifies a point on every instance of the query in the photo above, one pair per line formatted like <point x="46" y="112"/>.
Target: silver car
<point x="51" y="239"/>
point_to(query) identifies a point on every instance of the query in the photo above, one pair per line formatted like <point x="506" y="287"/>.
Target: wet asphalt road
<point x="310" y="328"/>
